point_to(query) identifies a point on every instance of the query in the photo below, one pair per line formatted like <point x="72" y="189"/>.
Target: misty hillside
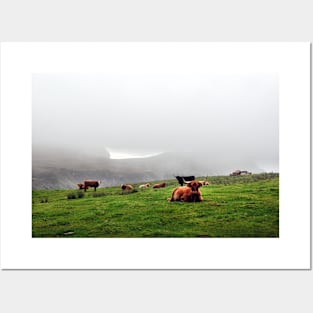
<point x="63" y="169"/>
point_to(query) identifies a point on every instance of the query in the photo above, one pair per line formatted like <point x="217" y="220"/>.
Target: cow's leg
<point x="95" y="188"/>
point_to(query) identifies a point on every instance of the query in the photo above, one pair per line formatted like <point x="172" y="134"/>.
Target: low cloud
<point x="216" y="120"/>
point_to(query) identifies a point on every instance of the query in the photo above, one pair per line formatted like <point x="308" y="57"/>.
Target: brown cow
<point x="126" y="187"/>
<point x="189" y="193"/>
<point x="81" y="186"/>
<point x="91" y="183"/>
<point x="162" y="185"/>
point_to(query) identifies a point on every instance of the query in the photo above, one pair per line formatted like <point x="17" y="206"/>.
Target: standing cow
<point x="182" y="179"/>
<point x="80" y="186"/>
<point x="91" y="183"/>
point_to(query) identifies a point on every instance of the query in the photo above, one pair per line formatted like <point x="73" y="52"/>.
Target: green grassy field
<point x="246" y="206"/>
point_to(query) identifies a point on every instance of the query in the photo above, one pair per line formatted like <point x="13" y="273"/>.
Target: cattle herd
<point x="189" y="191"/>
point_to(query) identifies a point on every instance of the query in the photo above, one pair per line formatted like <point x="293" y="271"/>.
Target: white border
<point x="290" y="251"/>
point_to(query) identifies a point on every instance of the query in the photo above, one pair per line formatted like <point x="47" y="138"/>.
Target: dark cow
<point x="91" y="183"/>
<point x="245" y="173"/>
<point x="162" y="185"/>
<point x="182" y="179"/>
<point x="189" y="193"/>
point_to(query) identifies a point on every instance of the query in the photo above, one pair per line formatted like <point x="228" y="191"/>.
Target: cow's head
<point x="194" y="185"/>
<point x="80" y="186"/>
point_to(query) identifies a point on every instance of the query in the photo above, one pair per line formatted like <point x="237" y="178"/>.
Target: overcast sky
<point x="222" y="115"/>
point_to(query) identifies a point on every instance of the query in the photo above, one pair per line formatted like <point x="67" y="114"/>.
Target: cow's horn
<point x="186" y="182"/>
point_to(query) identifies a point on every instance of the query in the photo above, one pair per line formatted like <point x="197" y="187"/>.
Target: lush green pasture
<point x="246" y="206"/>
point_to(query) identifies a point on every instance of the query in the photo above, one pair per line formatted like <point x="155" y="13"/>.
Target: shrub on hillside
<point x="80" y="194"/>
<point x="71" y="196"/>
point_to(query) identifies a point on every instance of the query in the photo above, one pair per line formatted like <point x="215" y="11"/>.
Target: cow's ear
<point x="200" y="184"/>
<point x="188" y="185"/>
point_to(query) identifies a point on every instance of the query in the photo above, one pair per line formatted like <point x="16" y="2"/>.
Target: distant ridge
<point x="60" y="169"/>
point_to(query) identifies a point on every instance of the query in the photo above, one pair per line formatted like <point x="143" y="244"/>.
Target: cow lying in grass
<point x="162" y="185"/>
<point x="144" y="186"/>
<point x="204" y="182"/>
<point x="189" y="193"/>
<point x="126" y="188"/>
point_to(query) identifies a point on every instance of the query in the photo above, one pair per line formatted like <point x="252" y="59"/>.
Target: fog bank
<point x="218" y="120"/>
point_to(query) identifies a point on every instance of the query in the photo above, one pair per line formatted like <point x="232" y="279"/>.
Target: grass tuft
<point x="98" y="194"/>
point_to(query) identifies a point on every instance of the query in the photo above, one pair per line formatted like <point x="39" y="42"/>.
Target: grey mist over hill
<point x="178" y="117"/>
<point x="63" y="169"/>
